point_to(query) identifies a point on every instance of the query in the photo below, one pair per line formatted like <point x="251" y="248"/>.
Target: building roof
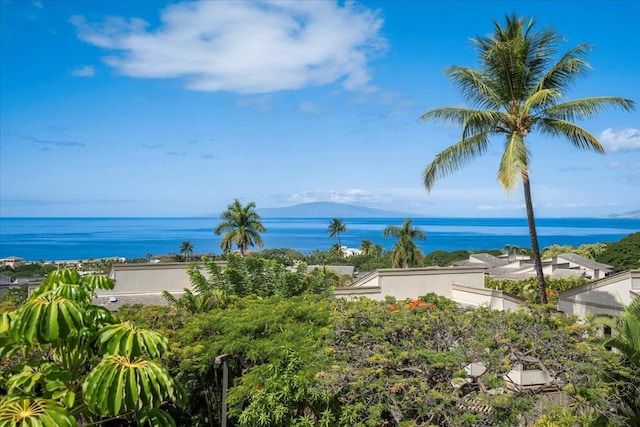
<point x="585" y="262"/>
<point x="490" y="260"/>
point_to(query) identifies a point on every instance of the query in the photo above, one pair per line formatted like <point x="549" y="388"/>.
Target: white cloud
<point x="338" y="196"/>
<point x="500" y="207"/>
<point x="84" y="71"/>
<point x="244" y="46"/>
<point x="621" y="140"/>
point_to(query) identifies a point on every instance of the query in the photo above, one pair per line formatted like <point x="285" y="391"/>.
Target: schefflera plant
<point x="68" y="362"/>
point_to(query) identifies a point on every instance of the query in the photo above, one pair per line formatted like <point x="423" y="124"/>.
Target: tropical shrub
<point x="70" y="362"/>
<point x="274" y="348"/>
<point x="528" y="288"/>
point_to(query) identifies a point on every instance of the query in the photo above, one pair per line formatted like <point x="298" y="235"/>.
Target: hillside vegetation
<point x="624" y="254"/>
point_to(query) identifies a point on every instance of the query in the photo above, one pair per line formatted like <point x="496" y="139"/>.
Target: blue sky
<point x="154" y="108"/>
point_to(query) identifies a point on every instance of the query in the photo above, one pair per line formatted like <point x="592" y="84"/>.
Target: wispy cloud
<point x="575" y="169"/>
<point x="312" y="108"/>
<point x="84" y="71"/>
<point x="152" y="146"/>
<point x="38" y="4"/>
<point x="40" y="141"/>
<point x="56" y="128"/>
<point x="500" y="207"/>
<point x="176" y="153"/>
<point x="260" y="103"/>
<point x="353" y="195"/>
<point x="246" y="46"/>
<point x="615" y="164"/>
<point x="58" y="143"/>
<point x="621" y="140"/>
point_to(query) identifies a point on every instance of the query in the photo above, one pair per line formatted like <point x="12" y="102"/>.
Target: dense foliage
<point x="624" y="254"/>
<point x="528" y="288"/>
<point x="311" y="361"/>
<point x="30" y="269"/>
<point x="591" y="251"/>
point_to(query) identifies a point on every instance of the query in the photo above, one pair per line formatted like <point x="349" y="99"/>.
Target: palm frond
<point x="170" y="298"/>
<point x="540" y="99"/>
<point x="474" y="86"/>
<point x="578" y="137"/>
<point x="453" y="158"/>
<point x="483" y="121"/>
<point x="455" y="115"/>
<point x="586" y="108"/>
<point x="514" y="162"/>
<point x="567" y="69"/>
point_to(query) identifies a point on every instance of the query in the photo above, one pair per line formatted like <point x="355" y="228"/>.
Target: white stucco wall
<point x="403" y="283"/>
<point x="606" y="296"/>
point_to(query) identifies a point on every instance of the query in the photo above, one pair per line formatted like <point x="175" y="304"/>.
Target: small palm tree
<point x="186" y="249"/>
<point x="243" y="227"/>
<point x="507" y="249"/>
<point x="367" y="247"/>
<point x="370" y="249"/>
<point x="406" y="252"/>
<point x="336" y="226"/>
<point x="518" y="89"/>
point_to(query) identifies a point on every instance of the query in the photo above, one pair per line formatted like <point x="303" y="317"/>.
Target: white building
<point x="605" y="296"/>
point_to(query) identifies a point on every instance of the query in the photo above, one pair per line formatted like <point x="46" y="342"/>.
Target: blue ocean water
<point x="83" y="238"/>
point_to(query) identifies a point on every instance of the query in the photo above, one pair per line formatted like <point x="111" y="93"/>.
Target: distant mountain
<point x="630" y="214"/>
<point x="327" y="210"/>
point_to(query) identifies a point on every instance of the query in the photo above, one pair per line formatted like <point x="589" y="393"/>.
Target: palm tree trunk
<point x="537" y="261"/>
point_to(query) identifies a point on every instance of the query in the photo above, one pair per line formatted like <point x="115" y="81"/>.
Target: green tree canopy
<point x="519" y="88"/>
<point x="624" y="254"/>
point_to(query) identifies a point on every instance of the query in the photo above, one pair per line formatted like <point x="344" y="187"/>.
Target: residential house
<point x="609" y="295"/>
<point x="144" y="284"/>
<point x="11" y="261"/>
<point x="464" y="285"/>
<point x="561" y="266"/>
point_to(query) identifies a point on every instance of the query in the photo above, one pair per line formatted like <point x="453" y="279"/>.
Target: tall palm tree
<point x="242" y="226"/>
<point x="518" y="89"/>
<point x="336" y="226"/>
<point x="186" y="248"/>
<point x="406" y="252"/>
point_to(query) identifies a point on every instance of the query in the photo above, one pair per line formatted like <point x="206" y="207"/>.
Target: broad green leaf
<point x="44" y="318"/>
<point x="23" y="411"/>
<point x="93" y="281"/>
<point x="119" y="383"/>
<point x="128" y="340"/>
